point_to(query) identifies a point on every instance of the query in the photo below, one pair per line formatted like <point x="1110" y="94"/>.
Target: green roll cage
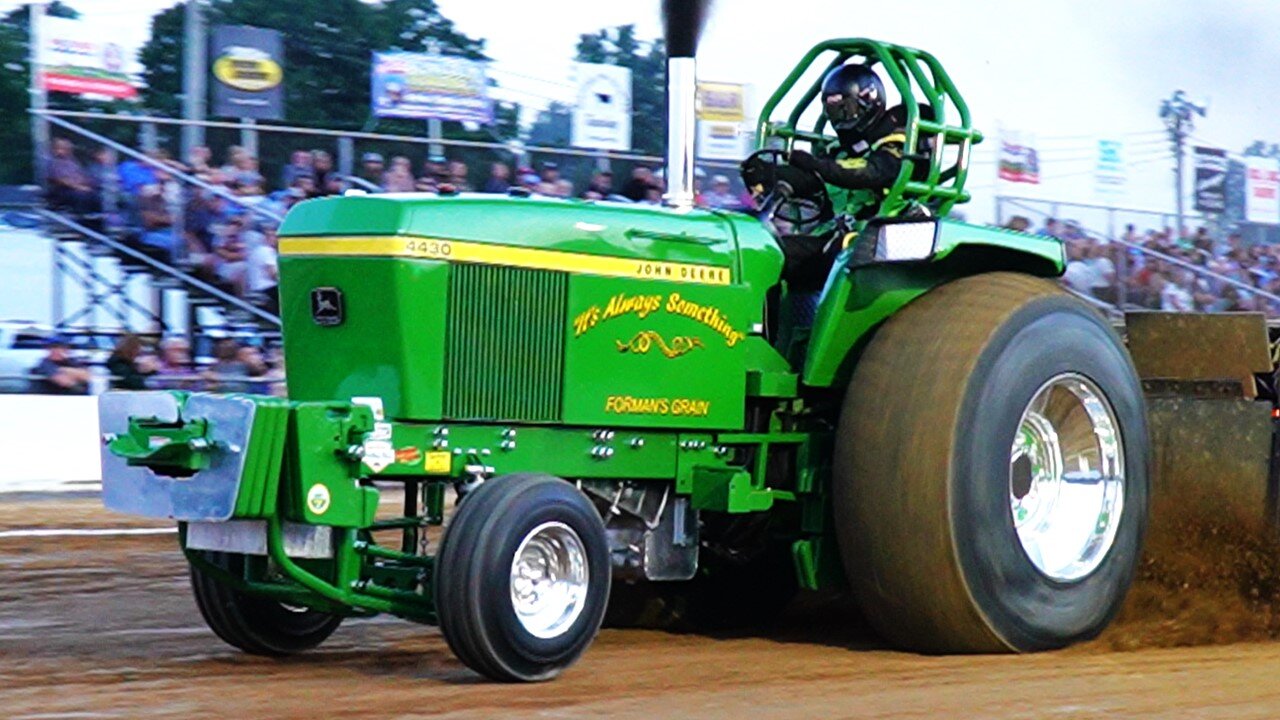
<point x="919" y="78"/>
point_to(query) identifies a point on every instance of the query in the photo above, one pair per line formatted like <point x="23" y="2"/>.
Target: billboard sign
<point x="248" y="69"/>
<point x="721" y="111"/>
<point x="1262" y="190"/>
<point x="1018" y="161"/>
<point x="602" y="107"/>
<point x="422" y="86"/>
<point x="75" y="59"/>
<point x="1210" y="180"/>
<point x="1109" y="175"/>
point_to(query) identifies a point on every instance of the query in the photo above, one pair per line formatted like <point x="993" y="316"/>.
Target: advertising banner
<point x="422" y="86"/>
<point x="1018" y="161"/>
<point x="1262" y="190"/>
<point x="1211" y="179"/>
<point x="75" y="59"/>
<point x="1109" y="174"/>
<point x="721" y="111"/>
<point x="602" y="107"/>
<point x="248" y="72"/>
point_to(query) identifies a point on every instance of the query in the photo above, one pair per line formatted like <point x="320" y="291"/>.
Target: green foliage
<point x="15" y="80"/>
<point x="328" y="53"/>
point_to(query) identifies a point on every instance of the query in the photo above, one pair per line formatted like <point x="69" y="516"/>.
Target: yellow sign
<point x="247" y="69"/>
<point x="643" y="305"/>
<point x="439" y="463"/>
<point x="631" y="405"/>
<point x="489" y="254"/>
<point x="721" y="102"/>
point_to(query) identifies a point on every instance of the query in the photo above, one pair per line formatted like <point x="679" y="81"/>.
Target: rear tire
<point x="256" y="625"/>
<point x="522" y="577"/>
<point x="926" y="486"/>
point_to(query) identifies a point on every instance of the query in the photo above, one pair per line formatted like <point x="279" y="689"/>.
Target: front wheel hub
<point x="1066" y="478"/>
<point x="549" y="578"/>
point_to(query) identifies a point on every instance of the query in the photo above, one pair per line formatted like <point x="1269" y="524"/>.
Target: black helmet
<point x="852" y="97"/>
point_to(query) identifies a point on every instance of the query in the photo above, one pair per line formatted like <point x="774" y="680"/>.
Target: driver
<point x="872" y="140"/>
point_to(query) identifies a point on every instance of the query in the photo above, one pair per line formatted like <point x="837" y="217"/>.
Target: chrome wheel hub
<point x="1066" y="478"/>
<point x="549" y="578"/>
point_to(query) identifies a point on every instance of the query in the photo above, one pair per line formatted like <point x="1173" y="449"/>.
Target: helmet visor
<point x="843" y="110"/>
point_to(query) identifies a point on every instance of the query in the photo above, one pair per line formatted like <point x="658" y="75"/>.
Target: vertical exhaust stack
<point x="682" y="22"/>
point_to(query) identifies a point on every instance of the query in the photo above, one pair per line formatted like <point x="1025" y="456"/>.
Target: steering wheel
<point x="787" y="193"/>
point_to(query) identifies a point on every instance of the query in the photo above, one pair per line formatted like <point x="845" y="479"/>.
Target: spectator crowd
<point x="136" y="364"/>
<point x="1158" y="270"/>
<point x="223" y="229"/>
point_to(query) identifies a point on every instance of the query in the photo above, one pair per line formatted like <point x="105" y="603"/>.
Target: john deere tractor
<point x="623" y="407"/>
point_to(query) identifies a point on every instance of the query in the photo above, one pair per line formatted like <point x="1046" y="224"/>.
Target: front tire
<point x="522" y="577"/>
<point x="256" y="625"/>
<point x="991" y="472"/>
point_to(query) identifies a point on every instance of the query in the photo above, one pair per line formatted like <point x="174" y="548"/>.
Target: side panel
<point x="389" y="343"/>
<point x="656" y="354"/>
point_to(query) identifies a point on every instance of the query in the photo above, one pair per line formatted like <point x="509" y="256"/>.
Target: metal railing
<point x="162" y="268"/>
<point x="510" y="147"/>
<point x="1122" y="275"/>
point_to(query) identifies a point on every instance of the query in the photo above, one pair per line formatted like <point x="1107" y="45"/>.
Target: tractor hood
<point x="565" y="234"/>
<point x="493" y="308"/>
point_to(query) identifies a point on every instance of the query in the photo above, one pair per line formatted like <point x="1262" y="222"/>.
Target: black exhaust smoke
<point x="682" y="23"/>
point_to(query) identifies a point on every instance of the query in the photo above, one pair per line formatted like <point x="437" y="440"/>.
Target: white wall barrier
<point x="49" y="443"/>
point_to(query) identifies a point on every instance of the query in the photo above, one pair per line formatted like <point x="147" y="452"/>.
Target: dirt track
<point x="80" y="639"/>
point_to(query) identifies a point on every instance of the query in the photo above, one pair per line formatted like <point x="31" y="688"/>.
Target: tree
<point x="647" y="61"/>
<point x="15" y="81"/>
<point x="328" y="49"/>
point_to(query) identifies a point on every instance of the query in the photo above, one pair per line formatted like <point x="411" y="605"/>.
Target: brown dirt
<point x="1210" y="575"/>
<point x="80" y="638"/>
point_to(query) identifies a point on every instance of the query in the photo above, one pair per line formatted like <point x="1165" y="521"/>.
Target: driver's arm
<point x="876" y="169"/>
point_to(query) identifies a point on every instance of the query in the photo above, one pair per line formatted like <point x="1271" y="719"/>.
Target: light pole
<point x="1177" y="113"/>
<point x="195" y="62"/>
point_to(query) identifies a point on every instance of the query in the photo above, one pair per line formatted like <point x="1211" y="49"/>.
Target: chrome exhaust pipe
<point x="682" y="98"/>
<point x="682" y="23"/>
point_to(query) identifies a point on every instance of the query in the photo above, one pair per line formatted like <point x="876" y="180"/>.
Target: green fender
<point x="858" y="299"/>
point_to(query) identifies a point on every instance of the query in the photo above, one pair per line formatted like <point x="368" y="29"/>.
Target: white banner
<point x="602" y="113"/>
<point x="75" y="58"/>
<point x="1018" y="160"/>
<point x="1262" y="190"/>
<point x="50" y="443"/>
<point x="721" y="141"/>
<point x="1109" y="174"/>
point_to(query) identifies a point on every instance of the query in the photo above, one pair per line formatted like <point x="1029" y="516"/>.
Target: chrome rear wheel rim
<point x="1066" y="478"/>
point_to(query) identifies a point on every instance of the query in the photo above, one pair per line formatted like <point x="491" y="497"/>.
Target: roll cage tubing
<point x="943" y="187"/>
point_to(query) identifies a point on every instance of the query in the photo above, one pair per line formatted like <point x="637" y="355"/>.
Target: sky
<point x="1064" y="72"/>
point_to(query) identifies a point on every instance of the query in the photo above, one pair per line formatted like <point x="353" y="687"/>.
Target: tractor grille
<point x="505" y="346"/>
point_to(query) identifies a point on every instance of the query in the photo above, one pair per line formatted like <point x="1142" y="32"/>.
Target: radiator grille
<point x="505" y="343"/>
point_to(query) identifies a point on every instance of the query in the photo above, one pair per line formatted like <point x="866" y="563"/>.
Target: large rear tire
<point x="990" y="479"/>
<point x="256" y="625"/>
<point x="522" y="577"/>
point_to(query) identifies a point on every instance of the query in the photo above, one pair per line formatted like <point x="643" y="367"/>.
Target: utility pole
<point x="1178" y="112"/>
<point x="39" y="96"/>
<point x="434" y="128"/>
<point x="194" y="70"/>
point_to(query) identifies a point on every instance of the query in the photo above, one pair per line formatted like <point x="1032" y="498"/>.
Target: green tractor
<point x="628" y="410"/>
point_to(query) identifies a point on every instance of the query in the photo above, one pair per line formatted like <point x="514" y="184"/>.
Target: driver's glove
<point x="804" y="161"/>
